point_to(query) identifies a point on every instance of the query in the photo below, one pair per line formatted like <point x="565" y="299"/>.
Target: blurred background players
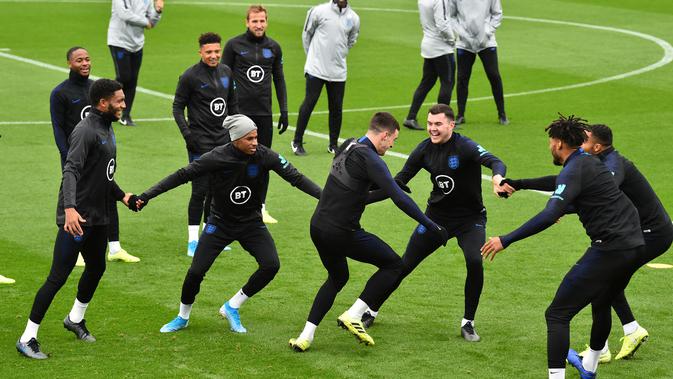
<point x="207" y="90"/>
<point x="438" y="61"/>
<point x="126" y="39"/>
<point x="255" y="59"/>
<point x="475" y="23"/>
<point x="330" y="31"/>
<point x="69" y="104"/>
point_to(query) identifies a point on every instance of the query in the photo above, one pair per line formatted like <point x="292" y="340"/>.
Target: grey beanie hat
<point x="238" y="125"/>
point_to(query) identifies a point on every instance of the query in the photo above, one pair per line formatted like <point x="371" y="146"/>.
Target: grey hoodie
<point x="128" y="21"/>
<point x="438" y="38"/>
<point x="475" y="22"/>
<point x="329" y="33"/>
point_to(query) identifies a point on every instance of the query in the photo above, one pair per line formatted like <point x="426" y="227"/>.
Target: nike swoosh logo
<point x="75" y="101"/>
<point x="204" y="85"/>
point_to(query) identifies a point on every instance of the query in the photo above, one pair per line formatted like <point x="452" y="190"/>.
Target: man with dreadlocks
<point x="585" y="185"/>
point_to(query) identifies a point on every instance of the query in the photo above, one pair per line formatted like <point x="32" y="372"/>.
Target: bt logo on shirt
<point x="445" y="183"/>
<point x="240" y="195"/>
<point x="110" y="171"/>
<point x="255" y="74"/>
<point x="218" y="106"/>
<point x="85" y="112"/>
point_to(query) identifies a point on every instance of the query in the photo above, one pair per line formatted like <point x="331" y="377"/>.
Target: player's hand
<point x="191" y="143"/>
<point x="403" y="186"/>
<point x="72" y="222"/>
<point x="500" y="190"/>
<point x="442" y="233"/>
<point x="283" y="122"/>
<point x="159" y="5"/>
<point x="132" y="203"/>
<point x="141" y="201"/>
<point x="149" y="24"/>
<point x="492" y="247"/>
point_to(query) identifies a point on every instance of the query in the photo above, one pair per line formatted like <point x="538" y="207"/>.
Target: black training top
<point x="237" y="181"/>
<point x="69" y="104"/>
<point x="355" y="168"/>
<point x="631" y="181"/>
<point x="88" y="176"/>
<point x="254" y="62"/>
<point x="586" y="185"/>
<point x="209" y="95"/>
<point x="455" y="173"/>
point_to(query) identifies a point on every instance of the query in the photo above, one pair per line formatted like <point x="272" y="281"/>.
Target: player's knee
<point x="195" y="275"/>
<point x="554" y="316"/>
<point x="339" y="281"/>
<point x="270" y="269"/>
<point x="474" y="263"/>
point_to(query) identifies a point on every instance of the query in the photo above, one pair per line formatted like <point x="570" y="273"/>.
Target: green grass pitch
<point x="418" y="331"/>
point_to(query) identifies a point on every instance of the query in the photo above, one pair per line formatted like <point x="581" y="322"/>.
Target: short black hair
<point x="571" y="130"/>
<point x="103" y="89"/>
<point x="442" y="108"/>
<point x="72" y="50"/>
<point x="601" y="133"/>
<point x="209" y="37"/>
<point x="383" y="121"/>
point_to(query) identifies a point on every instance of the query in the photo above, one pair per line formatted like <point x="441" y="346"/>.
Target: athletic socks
<point x="77" y="312"/>
<point x="465" y="321"/>
<point x="114" y="247"/>
<point x="590" y="360"/>
<point x="630" y="328"/>
<point x="30" y="332"/>
<point x="193" y="231"/>
<point x="372" y="313"/>
<point x="557" y="373"/>
<point x="357" y="309"/>
<point x="238" y="299"/>
<point x="185" y="310"/>
<point x="308" y="332"/>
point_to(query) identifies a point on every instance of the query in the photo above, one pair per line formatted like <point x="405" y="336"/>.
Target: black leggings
<point x="595" y="279"/>
<point x="333" y="248"/>
<point x="254" y="238"/>
<point x="471" y="235"/>
<point x="489" y="58"/>
<point x="442" y="67"/>
<point x="335" y="99"/>
<point x="264" y="137"/>
<point x="656" y="243"/>
<point x="66" y="248"/>
<point x="127" y="68"/>
<point x="199" y="201"/>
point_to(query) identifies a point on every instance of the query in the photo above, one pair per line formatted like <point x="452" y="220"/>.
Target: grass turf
<point x="417" y="334"/>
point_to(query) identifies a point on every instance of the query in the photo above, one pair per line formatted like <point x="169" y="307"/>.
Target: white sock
<point x="77" y="312"/>
<point x="308" y="332"/>
<point x="630" y="328"/>
<point x="237" y="300"/>
<point x="193" y="232"/>
<point x="263" y="207"/>
<point x="465" y="321"/>
<point x="114" y="247"/>
<point x="557" y="373"/>
<point x="185" y="310"/>
<point x="590" y="360"/>
<point x="605" y="348"/>
<point x="371" y="312"/>
<point x="30" y="332"/>
<point x="357" y="309"/>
